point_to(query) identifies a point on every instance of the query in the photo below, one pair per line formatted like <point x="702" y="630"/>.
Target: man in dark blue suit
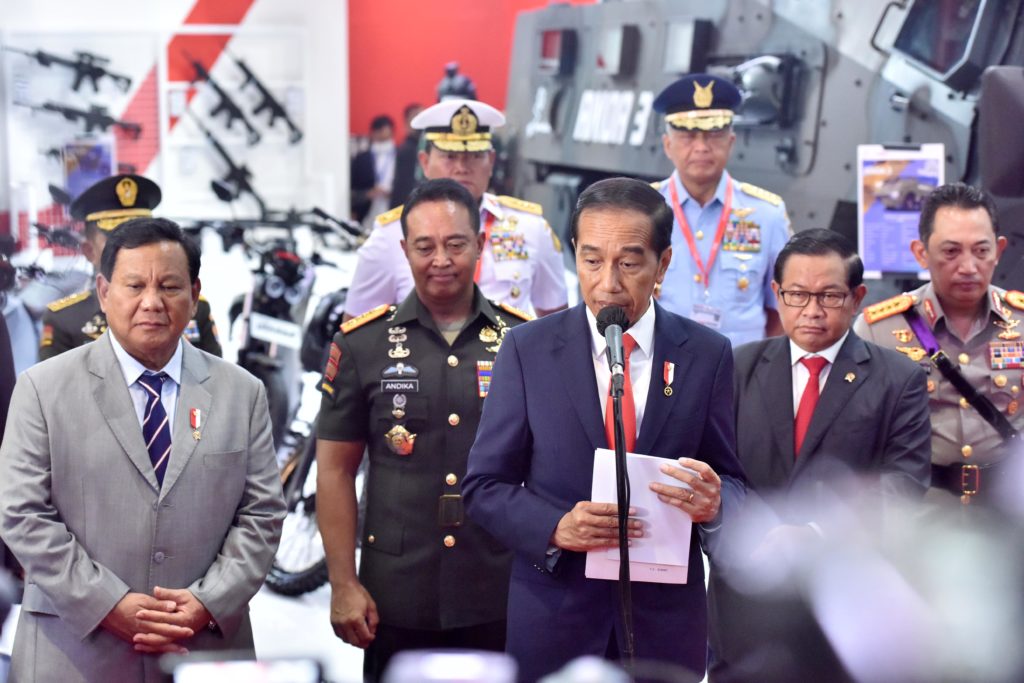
<point x="531" y="466"/>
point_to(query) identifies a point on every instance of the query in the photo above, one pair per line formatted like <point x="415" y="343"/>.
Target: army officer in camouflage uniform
<point x="408" y="383"/>
<point x="978" y="326"/>
<point x="77" y="319"/>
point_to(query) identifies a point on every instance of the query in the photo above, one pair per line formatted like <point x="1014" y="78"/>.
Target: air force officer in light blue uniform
<point x="727" y="233"/>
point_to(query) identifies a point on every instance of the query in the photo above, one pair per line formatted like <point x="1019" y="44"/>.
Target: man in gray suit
<point x="814" y="409"/>
<point x="138" y="485"/>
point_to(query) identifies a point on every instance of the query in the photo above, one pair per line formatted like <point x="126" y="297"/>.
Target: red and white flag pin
<point x="195" y="417"/>
<point x="670" y="374"/>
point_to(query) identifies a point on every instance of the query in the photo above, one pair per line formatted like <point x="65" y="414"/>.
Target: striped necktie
<point x="156" y="429"/>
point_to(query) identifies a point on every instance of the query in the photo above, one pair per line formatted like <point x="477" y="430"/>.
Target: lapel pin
<point x="195" y="418"/>
<point x="669" y="375"/>
<point x="850" y="377"/>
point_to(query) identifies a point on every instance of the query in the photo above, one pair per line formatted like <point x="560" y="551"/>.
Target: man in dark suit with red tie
<point x="531" y="466"/>
<point x="815" y="408"/>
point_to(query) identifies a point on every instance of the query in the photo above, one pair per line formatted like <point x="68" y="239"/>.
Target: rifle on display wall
<point x="86" y="65"/>
<point x="226" y="104"/>
<point x="93" y="118"/>
<point x="238" y="177"/>
<point x="268" y="102"/>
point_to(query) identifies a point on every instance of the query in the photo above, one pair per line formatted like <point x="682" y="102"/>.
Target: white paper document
<point x="662" y="555"/>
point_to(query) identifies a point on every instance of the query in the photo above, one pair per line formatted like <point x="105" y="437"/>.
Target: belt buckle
<point x="970" y="482"/>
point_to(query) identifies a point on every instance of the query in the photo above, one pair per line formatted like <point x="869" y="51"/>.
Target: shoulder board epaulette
<point x="888" y="308"/>
<point x="364" y="318"/>
<point x="521" y="205"/>
<point x="390" y="216"/>
<point x="658" y="184"/>
<point x="61" y="304"/>
<point x="761" y="193"/>
<point x="554" y="238"/>
<point x="203" y="298"/>
<point x="522" y="315"/>
<point x="1015" y="299"/>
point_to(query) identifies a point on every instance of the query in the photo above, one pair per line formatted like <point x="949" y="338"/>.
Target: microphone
<point x="612" y="321"/>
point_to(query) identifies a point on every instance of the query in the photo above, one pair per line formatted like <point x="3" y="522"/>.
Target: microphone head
<point x="612" y="315"/>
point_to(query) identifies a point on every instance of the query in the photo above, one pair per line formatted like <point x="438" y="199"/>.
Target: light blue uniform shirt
<point x="740" y="283"/>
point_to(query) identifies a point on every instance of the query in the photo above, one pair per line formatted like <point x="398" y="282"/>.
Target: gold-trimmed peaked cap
<point x="114" y="200"/>
<point x="699" y="102"/>
<point x="459" y="125"/>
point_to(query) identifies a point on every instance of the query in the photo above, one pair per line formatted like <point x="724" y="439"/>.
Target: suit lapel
<point x="115" y="403"/>
<point x="669" y="341"/>
<point x="572" y="351"/>
<point x="851" y="361"/>
<point x="774" y="377"/>
<point x="191" y="394"/>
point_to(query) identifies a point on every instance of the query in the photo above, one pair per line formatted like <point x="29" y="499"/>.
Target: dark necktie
<point x="156" y="429"/>
<point x="808" y="401"/>
<point x="628" y="406"/>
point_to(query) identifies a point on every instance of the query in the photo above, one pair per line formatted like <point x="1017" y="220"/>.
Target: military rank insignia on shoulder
<point x="360" y="320"/>
<point x="522" y="315"/>
<point x="761" y="193"/>
<point x="61" y="304"/>
<point x="888" y="308"/>
<point x="658" y="184"/>
<point x="521" y="205"/>
<point x="1015" y="299"/>
<point x="390" y="216"/>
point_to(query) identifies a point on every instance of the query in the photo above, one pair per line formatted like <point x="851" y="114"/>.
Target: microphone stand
<point x="622" y="494"/>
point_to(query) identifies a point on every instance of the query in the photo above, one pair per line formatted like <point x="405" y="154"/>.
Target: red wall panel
<point x="398" y="49"/>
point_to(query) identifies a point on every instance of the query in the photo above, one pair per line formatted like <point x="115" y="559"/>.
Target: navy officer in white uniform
<point x="521" y="263"/>
<point x="727" y="233"/>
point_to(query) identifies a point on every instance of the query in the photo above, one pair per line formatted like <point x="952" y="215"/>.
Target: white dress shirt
<point x="801" y="374"/>
<point x="133" y="369"/>
<point x="639" y="361"/>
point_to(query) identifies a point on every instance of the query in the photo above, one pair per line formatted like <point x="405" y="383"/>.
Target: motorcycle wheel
<point x="299" y="565"/>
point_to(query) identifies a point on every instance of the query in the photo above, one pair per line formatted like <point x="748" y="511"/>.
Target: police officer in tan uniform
<point x="77" y="319"/>
<point x="407" y="384"/>
<point x="976" y="325"/>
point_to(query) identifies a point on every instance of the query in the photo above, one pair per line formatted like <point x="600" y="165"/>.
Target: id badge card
<point x="708" y="316"/>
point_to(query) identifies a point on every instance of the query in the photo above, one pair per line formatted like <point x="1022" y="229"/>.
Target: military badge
<point x="400" y="370"/>
<point x="483" y="376"/>
<point x="399" y="440"/>
<point x="96" y="326"/>
<point x="668" y="375"/>
<point x="743" y="283"/>
<point x="127" y="192"/>
<point x="488" y="335"/>
<point x="742" y="235"/>
<point x="399" y="351"/>
<point x="1013" y="407"/>
<point x="47" y="337"/>
<point x="333" y="358"/>
<point x="1009" y="328"/>
<point x="1007" y="355"/>
<point x="915" y="353"/>
<point x="398" y="403"/>
<point x="702" y="95"/>
<point x="903" y="336"/>
<point x="850" y="377"/>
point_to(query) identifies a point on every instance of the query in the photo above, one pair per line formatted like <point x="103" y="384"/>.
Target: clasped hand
<point x="157" y="623"/>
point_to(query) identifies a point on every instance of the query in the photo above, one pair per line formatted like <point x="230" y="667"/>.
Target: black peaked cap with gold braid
<point x="114" y="200"/>
<point x="699" y="102"/>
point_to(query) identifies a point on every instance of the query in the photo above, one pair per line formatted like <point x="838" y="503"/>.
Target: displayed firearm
<point x="94" y="117"/>
<point x="226" y="104"/>
<point x="268" y="101"/>
<point x="86" y="65"/>
<point x="238" y="177"/>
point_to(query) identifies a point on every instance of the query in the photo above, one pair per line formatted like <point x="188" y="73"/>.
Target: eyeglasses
<point x="799" y="299"/>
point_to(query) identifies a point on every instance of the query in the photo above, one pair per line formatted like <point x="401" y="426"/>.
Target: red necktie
<point x="628" y="407"/>
<point x="808" y="400"/>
